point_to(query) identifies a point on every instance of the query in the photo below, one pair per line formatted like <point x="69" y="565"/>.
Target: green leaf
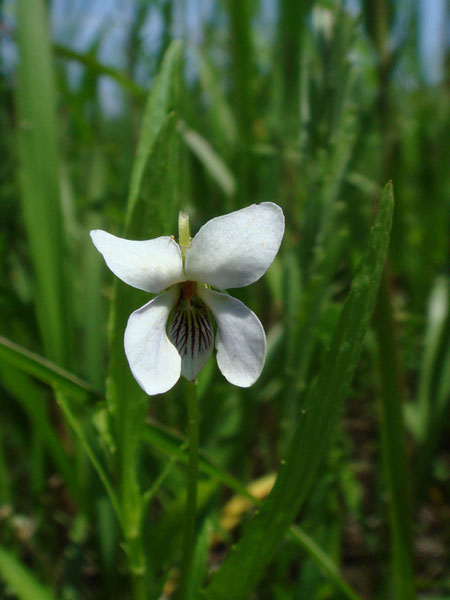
<point x="175" y="446"/>
<point x="94" y="66"/>
<point x="161" y="101"/>
<point x="150" y="213"/>
<point x="45" y="370"/>
<point x="432" y="396"/>
<point x="393" y="445"/>
<point x="34" y="403"/>
<point x="80" y="432"/>
<point x="263" y="534"/>
<point x="432" y="409"/>
<point x="209" y="158"/>
<point x="64" y="383"/>
<point x="39" y="178"/>
<point x="199" y="561"/>
<point x="20" y="578"/>
<point x="222" y="119"/>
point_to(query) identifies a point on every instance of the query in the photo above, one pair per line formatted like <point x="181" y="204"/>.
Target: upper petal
<point x="153" y="359"/>
<point x="236" y="249"/>
<point x="150" y="265"/>
<point x="240" y="338"/>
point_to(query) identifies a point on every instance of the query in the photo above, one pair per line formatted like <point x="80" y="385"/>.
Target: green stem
<point x="139" y="587"/>
<point x="191" y="501"/>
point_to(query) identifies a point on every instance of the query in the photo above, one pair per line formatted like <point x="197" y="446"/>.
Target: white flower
<point x="231" y="251"/>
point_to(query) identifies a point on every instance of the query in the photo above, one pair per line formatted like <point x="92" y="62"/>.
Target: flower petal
<point x="236" y="249"/>
<point x="240" y="338"/>
<point x="154" y="361"/>
<point x="150" y="265"/>
<point x="191" y="333"/>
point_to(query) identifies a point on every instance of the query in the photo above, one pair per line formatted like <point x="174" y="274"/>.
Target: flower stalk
<point x="191" y="500"/>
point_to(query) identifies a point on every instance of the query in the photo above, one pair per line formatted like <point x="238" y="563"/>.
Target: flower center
<point x="188" y="288"/>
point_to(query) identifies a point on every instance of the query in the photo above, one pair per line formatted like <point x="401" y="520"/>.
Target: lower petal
<point x="191" y="333"/>
<point x="154" y="361"/>
<point x="240" y="339"/>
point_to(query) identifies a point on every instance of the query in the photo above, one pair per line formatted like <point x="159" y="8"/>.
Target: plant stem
<point x="191" y="500"/>
<point x="139" y="587"/>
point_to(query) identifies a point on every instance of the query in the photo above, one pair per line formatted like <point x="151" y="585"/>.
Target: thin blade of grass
<point x="39" y="178"/>
<point x="393" y="445"/>
<point x="436" y="363"/>
<point x="430" y="401"/>
<point x="209" y="158"/>
<point x="33" y="401"/>
<point x="98" y="68"/>
<point x="79" y="431"/>
<point x="45" y="370"/>
<point x="322" y="559"/>
<point x="92" y="275"/>
<point x="21" y="578"/>
<point x="5" y="480"/>
<point x="247" y="561"/>
<point x="199" y="561"/>
<point x="223" y="122"/>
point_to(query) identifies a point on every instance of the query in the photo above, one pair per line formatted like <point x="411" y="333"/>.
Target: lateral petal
<point x="240" y="338"/>
<point x="236" y="249"/>
<point x="150" y="265"/>
<point x="153" y="359"/>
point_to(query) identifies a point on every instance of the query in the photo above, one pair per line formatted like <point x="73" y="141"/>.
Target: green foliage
<point x="310" y="107"/>
<point x="39" y="176"/>
<point x="21" y="580"/>
<point x="316" y="423"/>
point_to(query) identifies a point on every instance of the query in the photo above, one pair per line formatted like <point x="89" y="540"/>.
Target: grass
<point x="334" y="461"/>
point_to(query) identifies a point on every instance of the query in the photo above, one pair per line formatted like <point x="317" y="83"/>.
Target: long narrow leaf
<point x="247" y="561"/>
<point x="39" y="177"/>
<point x="212" y="162"/>
<point x="150" y="213"/>
<point x="174" y="446"/>
<point x="33" y="401"/>
<point x="44" y="370"/>
<point x="21" y="579"/>
<point x="100" y="69"/>
<point x="80" y="433"/>
<point x="393" y="446"/>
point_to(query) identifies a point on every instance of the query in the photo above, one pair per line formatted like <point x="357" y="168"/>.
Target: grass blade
<point x="246" y="563"/>
<point x="44" y="370"/>
<point x="94" y="66"/>
<point x="78" y="429"/>
<point x="393" y="446"/>
<point x="324" y="561"/>
<point x="434" y="386"/>
<point x="33" y="401"/>
<point x="199" y="561"/>
<point x="21" y="580"/>
<point x="212" y="162"/>
<point x="39" y="177"/>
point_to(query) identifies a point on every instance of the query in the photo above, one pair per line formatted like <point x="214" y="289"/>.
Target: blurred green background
<point x="311" y="104"/>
